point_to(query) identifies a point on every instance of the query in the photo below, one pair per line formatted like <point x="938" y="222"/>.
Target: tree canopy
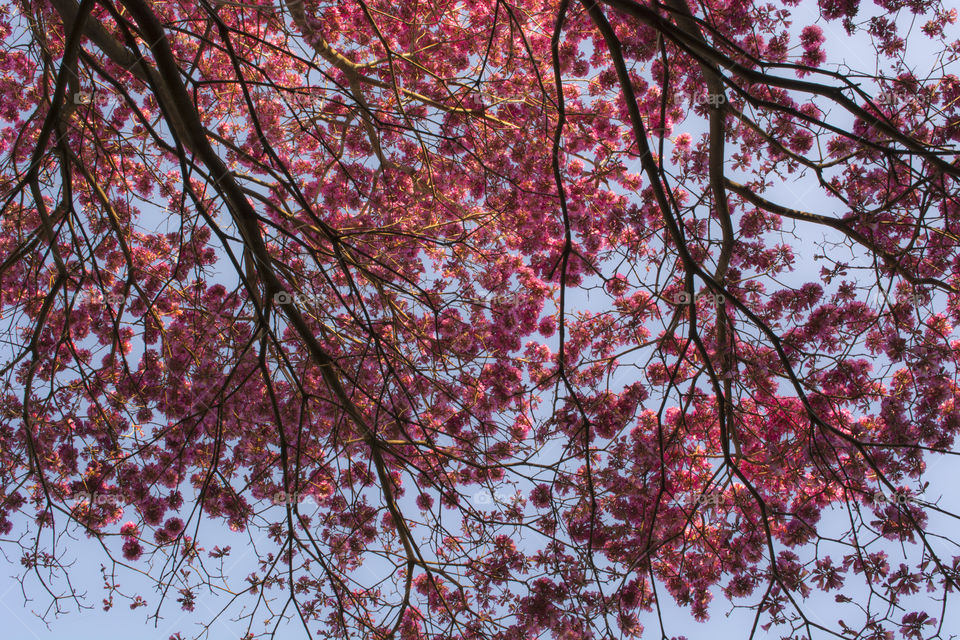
<point x="549" y="311"/>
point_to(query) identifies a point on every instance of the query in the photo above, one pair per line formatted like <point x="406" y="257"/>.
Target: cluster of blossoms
<point x="482" y="249"/>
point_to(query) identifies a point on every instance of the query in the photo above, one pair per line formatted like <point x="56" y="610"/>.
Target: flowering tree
<point x="338" y="270"/>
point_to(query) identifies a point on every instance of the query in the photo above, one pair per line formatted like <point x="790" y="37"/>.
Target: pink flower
<point x="153" y="510"/>
<point x="548" y="326"/>
<point x="540" y="496"/>
<point x="833" y="9"/>
<point x="811" y="37"/>
<point x="173" y="526"/>
<point x="617" y="285"/>
<point x="129" y="530"/>
<point x="132" y="550"/>
<point x="424" y="501"/>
